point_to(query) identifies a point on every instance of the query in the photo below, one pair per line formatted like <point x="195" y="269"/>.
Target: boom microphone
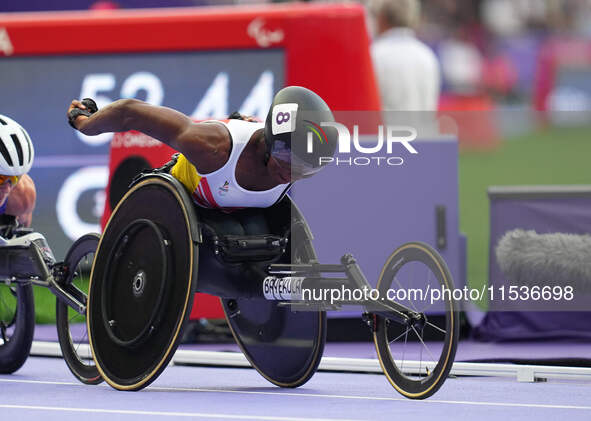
<point x="526" y="257"/>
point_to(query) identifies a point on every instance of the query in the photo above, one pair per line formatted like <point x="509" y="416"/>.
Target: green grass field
<point x="553" y="156"/>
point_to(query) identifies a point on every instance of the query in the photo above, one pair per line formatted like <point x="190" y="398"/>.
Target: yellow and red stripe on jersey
<point x="200" y="190"/>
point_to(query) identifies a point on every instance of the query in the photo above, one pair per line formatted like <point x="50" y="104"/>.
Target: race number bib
<point x="284" y="118"/>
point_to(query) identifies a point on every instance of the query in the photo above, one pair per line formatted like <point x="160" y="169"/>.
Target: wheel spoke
<point x="427" y="283"/>
<point x="420" y="358"/>
<point x="436" y="327"/>
<point x="403" y="351"/>
<point x="399" y="336"/>
<point x="400" y="286"/>
<point x="73" y="317"/>
<point x="424" y="345"/>
<point x="423" y="310"/>
<point x="83" y="340"/>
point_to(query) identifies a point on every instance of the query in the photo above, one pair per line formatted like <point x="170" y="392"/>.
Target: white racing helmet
<point x="16" y="148"/>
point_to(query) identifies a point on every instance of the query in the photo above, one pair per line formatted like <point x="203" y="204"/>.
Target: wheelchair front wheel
<point x="71" y="326"/>
<point x="417" y="357"/>
<point x="17" y="325"/>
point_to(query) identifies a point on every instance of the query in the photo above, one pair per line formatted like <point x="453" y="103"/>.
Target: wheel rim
<point x="77" y="329"/>
<point x="71" y="325"/>
<point x="417" y="355"/>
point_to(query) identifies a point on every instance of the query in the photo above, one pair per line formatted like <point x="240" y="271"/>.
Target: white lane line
<point x="169" y="414"/>
<point x="376" y="398"/>
<point x="509" y="404"/>
<point x="40" y="382"/>
<point x="324" y="396"/>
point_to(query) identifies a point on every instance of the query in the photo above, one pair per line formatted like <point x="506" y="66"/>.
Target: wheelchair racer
<point x="233" y="165"/>
<point x="17" y="189"/>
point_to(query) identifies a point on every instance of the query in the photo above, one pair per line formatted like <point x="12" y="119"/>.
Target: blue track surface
<point x="45" y="389"/>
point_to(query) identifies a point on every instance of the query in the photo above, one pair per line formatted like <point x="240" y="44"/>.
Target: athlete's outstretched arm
<point x="197" y="141"/>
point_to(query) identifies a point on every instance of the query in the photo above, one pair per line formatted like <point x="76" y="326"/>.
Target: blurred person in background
<point x="462" y="64"/>
<point x="406" y="69"/>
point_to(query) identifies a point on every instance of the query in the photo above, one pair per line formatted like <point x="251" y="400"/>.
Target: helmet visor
<point x="299" y="167"/>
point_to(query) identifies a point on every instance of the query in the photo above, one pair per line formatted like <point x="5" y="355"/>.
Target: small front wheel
<point x="71" y="326"/>
<point x="417" y="355"/>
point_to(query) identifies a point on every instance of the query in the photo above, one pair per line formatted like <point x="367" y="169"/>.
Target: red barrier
<point x="326" y="45"/>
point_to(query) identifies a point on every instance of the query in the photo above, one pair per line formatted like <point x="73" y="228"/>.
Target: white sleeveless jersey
<point x="219" y="189"/>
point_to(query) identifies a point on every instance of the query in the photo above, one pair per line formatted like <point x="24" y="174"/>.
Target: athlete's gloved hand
<point x="75" y="110"/>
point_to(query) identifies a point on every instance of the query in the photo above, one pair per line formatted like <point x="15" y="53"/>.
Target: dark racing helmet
<point x="294" y="131"/>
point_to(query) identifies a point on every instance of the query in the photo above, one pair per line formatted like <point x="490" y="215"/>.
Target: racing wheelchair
<point x="135" y="285"/>
<point x="158" y="249"/>
<point x="26" y="260"/>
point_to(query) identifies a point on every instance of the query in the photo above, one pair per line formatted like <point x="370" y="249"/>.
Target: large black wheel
<point x="17" y="325"/>
<point x="71" y="326"/>
<point x="142" y="283"/>
<point x="283" y="343"/>
<point x="417" y="356"/>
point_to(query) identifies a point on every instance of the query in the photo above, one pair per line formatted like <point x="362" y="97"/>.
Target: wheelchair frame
<point x="25" y="260"/>
<point x="280" y="332"/>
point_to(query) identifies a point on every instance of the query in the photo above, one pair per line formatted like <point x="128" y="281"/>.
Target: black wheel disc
<point x="148" y="304"/>
<point x="134" y="287"/>
<point x="283" y="345"/>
